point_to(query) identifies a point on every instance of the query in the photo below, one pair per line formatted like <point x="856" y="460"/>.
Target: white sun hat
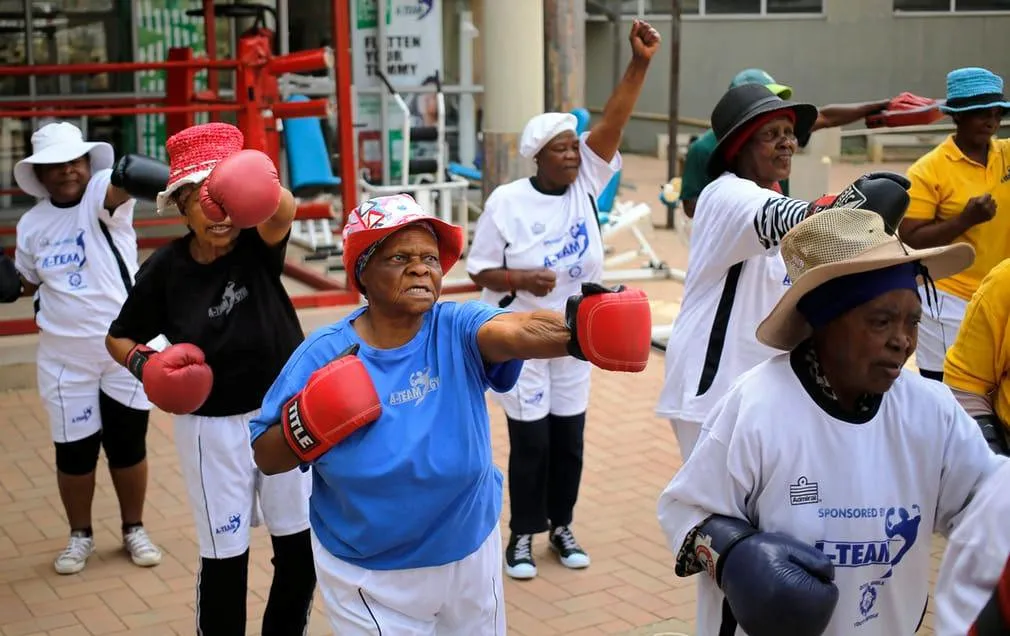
<point x="56" y="143"/>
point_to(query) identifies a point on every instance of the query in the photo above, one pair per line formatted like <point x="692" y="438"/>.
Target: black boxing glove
<point x="774" y="584"/>
<point x="10" y="280"/>
<point x="141" y="177"/>
<point x="885" y="193"/>
<point x="993" y="432"/>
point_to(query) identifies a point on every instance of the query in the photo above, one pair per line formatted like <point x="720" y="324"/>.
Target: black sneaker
<point x="519" y="557"/>
<point x="569" y="551"/>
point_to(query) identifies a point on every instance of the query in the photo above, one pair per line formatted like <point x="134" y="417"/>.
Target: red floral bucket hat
<point x="193" y="153"/>
<point x="374" y="220"/>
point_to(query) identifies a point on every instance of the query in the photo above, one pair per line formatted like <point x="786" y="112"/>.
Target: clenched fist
<point x="980" y="209"/>
<point x="644" y="40"/>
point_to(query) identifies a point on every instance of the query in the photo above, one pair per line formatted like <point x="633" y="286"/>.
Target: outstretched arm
<point x="834" y="115"/>
<point x="609" y="327"/>
<point x="605" y="137"/>
<point x="524" y="336"/>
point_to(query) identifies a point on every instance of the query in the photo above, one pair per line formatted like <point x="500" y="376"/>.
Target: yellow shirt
<point x="942" y="182"/>
<point x="979" y="360"/>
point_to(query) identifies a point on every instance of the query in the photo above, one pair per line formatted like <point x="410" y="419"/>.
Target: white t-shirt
<point x="867" y="495"/>
<point x="64" y="251"/>
<point x="713" y="339"/>
<point x="521" y="228"/>
<point x="976" y="554"/>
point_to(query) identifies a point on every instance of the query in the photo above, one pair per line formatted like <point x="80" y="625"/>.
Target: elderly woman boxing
<point x="734" y="272"/>
<point x="536" y="242"/>
<point x="216" y="296"/>
<point x="811" y="498"/>
<point x="387" y="408"/>
<point x="77" y="256"/>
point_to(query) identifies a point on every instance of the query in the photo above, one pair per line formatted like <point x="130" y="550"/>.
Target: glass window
<point x="717" y="7"/>
<point x="82" y="32"/>
<point x="12" y="45"/>
<point x="983" y="5"/>
<point x="795" y="6"/>
<point x="665" y="7"/>
<point x="604" y="7"/>
<point x="922" y="5"/>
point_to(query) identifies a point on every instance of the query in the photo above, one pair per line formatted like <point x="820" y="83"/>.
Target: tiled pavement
<point x="629" y="589"/>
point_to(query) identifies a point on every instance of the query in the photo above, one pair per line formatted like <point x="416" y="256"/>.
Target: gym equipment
<point x="258" y="107"/>
<point x="310" y="176"/>
<point x="428" y="180"/>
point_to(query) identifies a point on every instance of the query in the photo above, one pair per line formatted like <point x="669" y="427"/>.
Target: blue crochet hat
<point x="973" y="88"/>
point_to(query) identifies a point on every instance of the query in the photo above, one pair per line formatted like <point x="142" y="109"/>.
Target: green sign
<point x="367" y="13"/>
<point x="162" y="25"/>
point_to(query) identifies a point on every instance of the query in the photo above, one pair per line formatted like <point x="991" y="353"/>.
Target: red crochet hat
<point x="194" y="152"/>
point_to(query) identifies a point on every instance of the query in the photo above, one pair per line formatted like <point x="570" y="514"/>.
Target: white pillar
<point x="512" y="35"/>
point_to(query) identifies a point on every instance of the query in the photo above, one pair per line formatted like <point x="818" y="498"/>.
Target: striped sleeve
<point x="776" y="217"/>
<point x="994" y="619"/>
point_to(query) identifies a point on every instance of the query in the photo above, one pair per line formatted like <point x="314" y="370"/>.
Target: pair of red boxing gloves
<point x="610" y="327"/>
<point x="245" y="188"/>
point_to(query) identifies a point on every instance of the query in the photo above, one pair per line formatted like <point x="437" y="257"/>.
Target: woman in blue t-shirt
<point x="405" y="495"/>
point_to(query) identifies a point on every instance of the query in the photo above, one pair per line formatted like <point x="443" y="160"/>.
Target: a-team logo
<point x="879" y="554"/>
<point x="804" y="492"/>
<point x="83" y="417"/>
<point x="421" y="384"/>
<point x="536" y="398"/>
<point x="233" y="525"/>
<point x="576" y="243"/>
<point x="66" y="255"/>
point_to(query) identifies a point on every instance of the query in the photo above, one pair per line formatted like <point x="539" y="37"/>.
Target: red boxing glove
<point x="337" y="400"/>
<point x="177" y="380"/>
<point x="244" y="187"/>
<point x="907" y="109"/>
<point x="611" y="327"/>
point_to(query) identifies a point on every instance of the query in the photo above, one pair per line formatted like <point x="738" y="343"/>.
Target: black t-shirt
<point x="235" y="309"/>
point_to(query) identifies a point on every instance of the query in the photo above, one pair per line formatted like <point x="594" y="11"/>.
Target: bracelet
<point x="508" y="281"/>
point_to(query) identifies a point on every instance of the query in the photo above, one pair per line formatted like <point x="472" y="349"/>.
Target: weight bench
<point x="310" y="175"/>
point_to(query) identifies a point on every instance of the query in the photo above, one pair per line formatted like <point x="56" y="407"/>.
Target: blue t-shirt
<point x="418" y="487"/>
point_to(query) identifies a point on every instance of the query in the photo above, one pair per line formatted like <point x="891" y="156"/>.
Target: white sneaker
<point x="73" y="559"/>
<point x="141" y="549"/>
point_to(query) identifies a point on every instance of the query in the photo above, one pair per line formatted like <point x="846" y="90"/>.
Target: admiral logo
<point x="298" y="432"/>
<point x="804" y="492"/>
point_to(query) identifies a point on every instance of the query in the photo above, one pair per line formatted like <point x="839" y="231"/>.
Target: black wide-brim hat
<point x="743" y="104"/>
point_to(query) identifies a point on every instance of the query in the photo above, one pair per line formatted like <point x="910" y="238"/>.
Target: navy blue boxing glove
<point x="774" y="584"/>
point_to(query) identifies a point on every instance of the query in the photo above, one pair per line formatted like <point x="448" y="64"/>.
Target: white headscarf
<point x="541" y="129"/>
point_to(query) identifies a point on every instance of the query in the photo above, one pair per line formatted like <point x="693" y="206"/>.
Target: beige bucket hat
<point x="835" y="243"/>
